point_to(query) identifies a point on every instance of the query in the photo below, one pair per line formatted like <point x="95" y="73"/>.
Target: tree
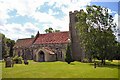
<point x="3" y="45"/>
<point x="50" y="30"/>
<point x="68" y="58"/>
<point x="7" y="46"/>
<point x="12" y="43"/>
<point x="115" y="52"/>
<point x="57" y="31"/>
<point x="95" y="31"/>
<point x="32" y="36"/>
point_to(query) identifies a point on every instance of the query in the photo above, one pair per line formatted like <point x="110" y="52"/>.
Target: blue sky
<point x="23" y="18"/>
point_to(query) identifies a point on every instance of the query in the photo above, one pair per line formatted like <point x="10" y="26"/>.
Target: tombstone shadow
<point x="107" y="65"/>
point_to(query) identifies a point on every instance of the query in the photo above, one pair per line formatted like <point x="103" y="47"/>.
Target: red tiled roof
<point x="24" y="42"/>
<point x="57" y="37"/>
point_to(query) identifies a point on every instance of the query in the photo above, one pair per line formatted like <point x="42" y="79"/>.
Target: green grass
<point x="60" y="70"/>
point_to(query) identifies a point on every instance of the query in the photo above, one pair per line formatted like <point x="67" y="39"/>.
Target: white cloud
<point x="28" y="8"/>
<point x="23" y="8"/>
<point x="110" y="11"/>
<point x="117" y="20"/>
<point x="15" y="31"/>
<point x="105" y="0"/>
<point x="52" y="13"/>
<point x="65" y="6"/>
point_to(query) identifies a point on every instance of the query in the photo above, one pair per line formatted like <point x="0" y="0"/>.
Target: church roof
<point x="57" y="37"/>
<point x="23" y="42"/>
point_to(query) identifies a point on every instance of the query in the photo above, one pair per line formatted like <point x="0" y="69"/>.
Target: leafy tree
<point x="68" y="58"/>
<point x="32" y="36"/>
<point x="50" y="30"/>
<point x="115" y="52"/>
<point x="3" y="45"/>
<point x="7" y="46"/>
<point x="57" y="31"/>
<point x="95" y="31"/>
<point x="12" y="43"/>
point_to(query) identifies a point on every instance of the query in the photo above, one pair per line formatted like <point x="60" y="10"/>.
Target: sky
<point x="23" y="18"/>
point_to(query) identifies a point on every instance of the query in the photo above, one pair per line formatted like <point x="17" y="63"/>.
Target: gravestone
<point x="95" y="64"/>
<point x="8" y="62"/>
<point x="25" y="62"/>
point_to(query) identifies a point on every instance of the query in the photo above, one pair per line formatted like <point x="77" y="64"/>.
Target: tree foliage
<point x="57" y="31"/>
<point x="32" y="36"/>
<point x="50" y="30"/>
<point x="68" y="58"/>
<point x="96" y="32"/>
<point x="7" y="46"/>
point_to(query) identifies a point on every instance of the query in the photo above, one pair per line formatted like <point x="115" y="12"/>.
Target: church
<point x="44" y="47"/>
<point x="51" y="46"/>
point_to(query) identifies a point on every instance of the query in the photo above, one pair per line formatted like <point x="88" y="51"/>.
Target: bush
<point x="17" y="60"/>
<point x="68" y="58"/>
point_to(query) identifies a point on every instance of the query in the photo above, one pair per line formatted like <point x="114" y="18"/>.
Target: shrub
<point x="17" y="60"/>
<point x="68" y="58"/>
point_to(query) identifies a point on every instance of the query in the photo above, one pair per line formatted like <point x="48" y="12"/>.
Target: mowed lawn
<point x="60" y="70"/>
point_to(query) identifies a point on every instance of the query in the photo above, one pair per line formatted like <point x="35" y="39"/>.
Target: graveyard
<point x="60" y="70"/>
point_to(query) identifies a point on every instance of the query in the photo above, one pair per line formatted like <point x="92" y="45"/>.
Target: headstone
<point x="12" y="64"/>
<point x="8" y="62"/>
<point x="25" y="62"/>
<point x="95" y="64"/>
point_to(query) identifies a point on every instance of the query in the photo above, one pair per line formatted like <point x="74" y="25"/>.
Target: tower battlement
<point x="75" y="11"/>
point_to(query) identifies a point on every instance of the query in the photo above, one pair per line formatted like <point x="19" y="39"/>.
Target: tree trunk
<point x="103" y="62"/>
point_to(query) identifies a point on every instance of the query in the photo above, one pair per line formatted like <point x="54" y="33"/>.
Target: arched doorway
<point x="41" y="56"/>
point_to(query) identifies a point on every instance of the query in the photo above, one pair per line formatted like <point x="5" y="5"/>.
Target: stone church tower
<point x="75" y="41"/>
